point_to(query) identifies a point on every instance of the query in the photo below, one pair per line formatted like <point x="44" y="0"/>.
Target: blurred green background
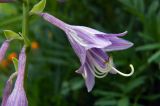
<point x="52" y="80"/>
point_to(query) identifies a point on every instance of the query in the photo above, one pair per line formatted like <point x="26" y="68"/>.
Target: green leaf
<point x="141" y="5"/>
<point x="8" y="9"/>
<point x="133" y="84"/>
<point x="154" y="56"/>
<point x="106" y="93"/>
<point x="158" y="23"/>
<point x="133" y="6"/>
<point x="126" y="2"/>
<point x="10" y="35"/>
<point x="148" y="47"/>
<point x="153" y="8"/>
<point x="105" y="102"/>
<point x="39" y="7"/>
<point x="15" y="62"/>
<point x="123" y="102"/>
<point x="152" y="97"/>
<point x="145" y="35"/>
<point x="76" y="84"/>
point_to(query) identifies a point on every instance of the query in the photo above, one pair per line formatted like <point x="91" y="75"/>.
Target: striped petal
<point x="89" y="78"/>
<point x="112" y="35"/>
<point x="86" y="40"/>
<point x="17" y="98"/>
<point x="118" y="44"/>
<point x="18" y="95"/>
<point x="7" y="91"/>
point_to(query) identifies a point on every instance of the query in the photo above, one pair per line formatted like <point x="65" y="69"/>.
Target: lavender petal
<point x="90" y="39"/>
<point x="90" y="79"/>
<point x="112" y="35"/>
<point x="3" y="49"/>
<point x="18" y="95"/>
<point x="55" y="21"/>
<point x="7" y="91"/>
<point x="118" y="44"/>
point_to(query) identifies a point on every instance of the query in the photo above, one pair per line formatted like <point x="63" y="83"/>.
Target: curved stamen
<point x="97" y="75"/>
<point x="96" y="67"/>
<point x="100" y="72"/>
<point x="109" y="64"/>
<point x="95" y="72"/>
<point x="93" y="67"/>
<point x="123" y="74"/>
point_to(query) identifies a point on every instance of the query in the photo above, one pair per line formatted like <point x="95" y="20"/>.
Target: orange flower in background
<point x="11" y="56"/>
<point x="4" y="63"/>
<point x="34" y="45"/>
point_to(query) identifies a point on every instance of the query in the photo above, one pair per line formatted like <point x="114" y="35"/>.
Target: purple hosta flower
<point x="8" y="89"/>
<point x="6" y="1"/>
<point x="18" y="95"/>
<point x="90" y="46"/>
<point x="3" y="49"/>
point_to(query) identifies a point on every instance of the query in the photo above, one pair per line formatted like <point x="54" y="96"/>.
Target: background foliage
<point x="52" y="80"/>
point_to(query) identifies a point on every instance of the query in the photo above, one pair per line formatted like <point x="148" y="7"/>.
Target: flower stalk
<point x="25" y="22"/>
<point x="25" y="29"/>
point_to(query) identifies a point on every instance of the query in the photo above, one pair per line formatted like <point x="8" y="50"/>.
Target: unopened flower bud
<point x="3" y="49"/>
<point x="18" y="95"/>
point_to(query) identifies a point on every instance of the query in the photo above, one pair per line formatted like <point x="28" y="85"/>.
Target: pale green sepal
<point x="10" y="35"/>
<point x="39" y="7"/>
<point x="15" y="62"/>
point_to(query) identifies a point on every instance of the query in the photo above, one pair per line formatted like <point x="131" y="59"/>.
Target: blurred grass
<point x="52" y="80"/>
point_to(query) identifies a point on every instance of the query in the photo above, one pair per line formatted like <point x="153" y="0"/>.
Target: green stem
<point x="25" y="29"/>
<point x="25" y="22"/>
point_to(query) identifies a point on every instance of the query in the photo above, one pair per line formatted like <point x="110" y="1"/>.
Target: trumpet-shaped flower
<point x="8" y="89"/>
<point x="3" y="49"/>
<point x="18" y="95"/>
<point x="90" y="46"/>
